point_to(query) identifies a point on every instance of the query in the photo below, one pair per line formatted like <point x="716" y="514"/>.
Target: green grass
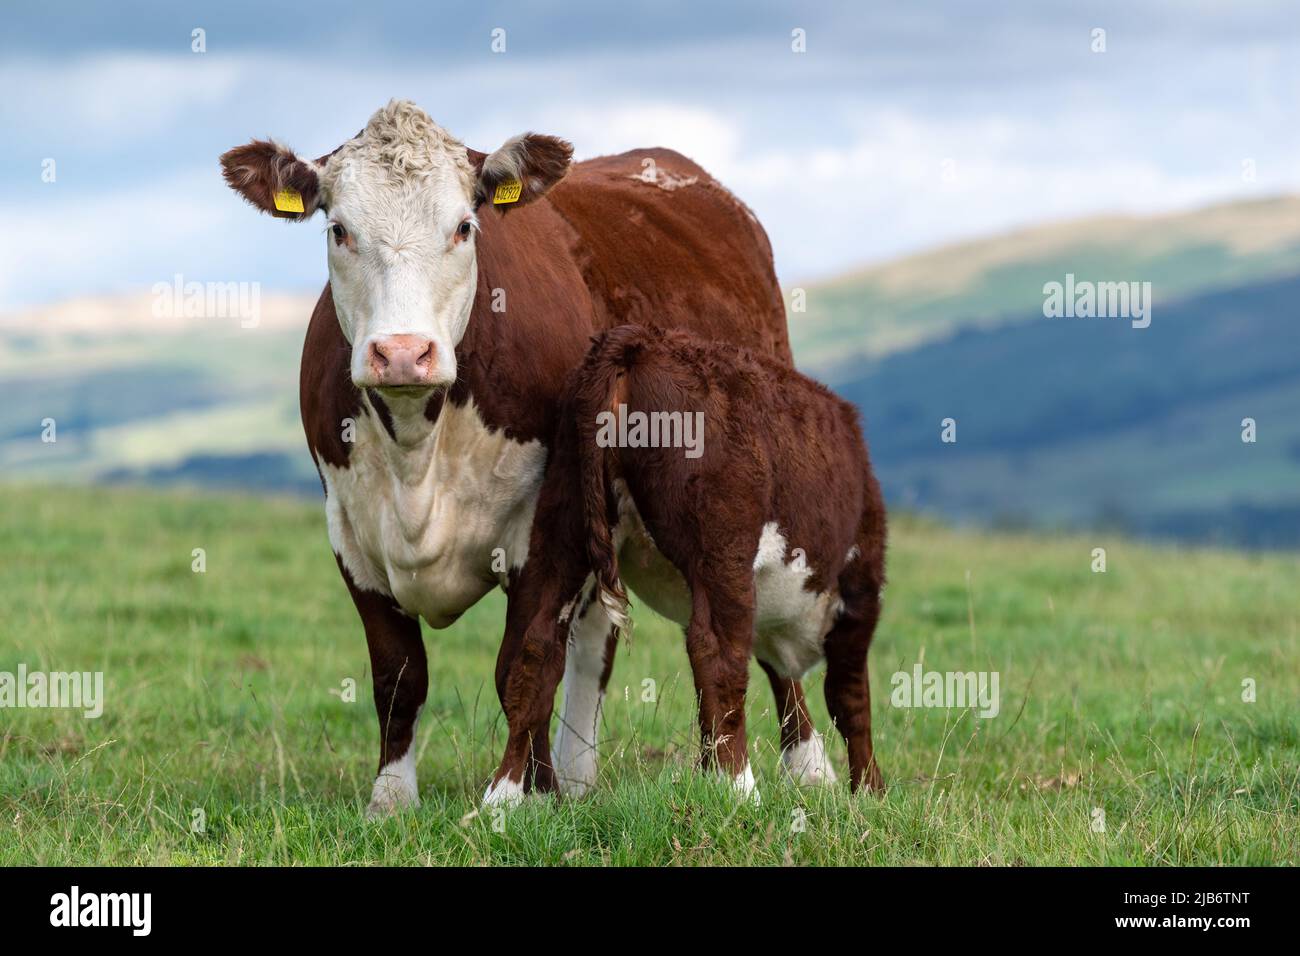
<point x="1121" y="692"/>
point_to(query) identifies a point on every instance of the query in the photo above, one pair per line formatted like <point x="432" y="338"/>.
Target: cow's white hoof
<point x="504" y="793"/>
<point x="393" y="791"/>
<point x="807" y="764"/>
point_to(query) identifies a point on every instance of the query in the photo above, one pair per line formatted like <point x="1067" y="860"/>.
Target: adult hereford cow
<point x="463" y="287"/>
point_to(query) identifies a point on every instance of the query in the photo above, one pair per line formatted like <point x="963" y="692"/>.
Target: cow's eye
<point x="463" y="230"/>
<point x="340" y="234"/>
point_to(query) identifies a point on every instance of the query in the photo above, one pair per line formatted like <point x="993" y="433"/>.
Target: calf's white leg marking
<point x="791" y="622"/>
<point x="575" y="741"/>
<point x="807" y="763"/>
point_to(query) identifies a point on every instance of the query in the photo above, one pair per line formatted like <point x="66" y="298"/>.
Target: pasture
<point x="1122" y="735"/>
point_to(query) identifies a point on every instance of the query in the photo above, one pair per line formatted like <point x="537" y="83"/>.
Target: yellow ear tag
<point x="288" y="200"/>
<point x="507" y="191"/>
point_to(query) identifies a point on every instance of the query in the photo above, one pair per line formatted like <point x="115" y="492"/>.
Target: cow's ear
<point x="521" y="170"/>
<point x="273" y="179"/>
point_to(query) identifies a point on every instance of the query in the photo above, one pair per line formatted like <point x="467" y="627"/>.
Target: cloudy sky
<point x="901" y="127"/>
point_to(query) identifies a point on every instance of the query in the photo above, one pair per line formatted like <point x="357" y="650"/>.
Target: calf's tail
<point x="597" y="398"/>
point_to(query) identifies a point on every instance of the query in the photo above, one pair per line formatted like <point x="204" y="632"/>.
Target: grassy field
<point x="1122" y="736"/>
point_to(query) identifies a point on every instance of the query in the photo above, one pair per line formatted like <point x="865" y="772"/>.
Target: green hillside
<point x="1122" y="735"/>
<point x="1083" y="423"/>
<point x="990" y="281"/>
<point x="133" y="397"/>
<point x="1092" y="423"/>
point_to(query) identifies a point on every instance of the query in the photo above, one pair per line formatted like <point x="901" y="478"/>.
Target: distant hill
<point x="989" y="282"/>
<point x="162" y="400"/>
<point x="1083" y="422"/>
<point x="1092" y="423"/>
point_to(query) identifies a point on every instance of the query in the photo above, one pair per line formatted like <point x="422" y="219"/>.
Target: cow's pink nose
<point x="402" y="360"/>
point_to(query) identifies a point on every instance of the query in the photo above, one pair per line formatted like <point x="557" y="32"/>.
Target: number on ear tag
<point x="508" y="191"/>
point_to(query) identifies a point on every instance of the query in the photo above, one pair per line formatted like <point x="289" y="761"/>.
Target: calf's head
<point x="402" y="201"/>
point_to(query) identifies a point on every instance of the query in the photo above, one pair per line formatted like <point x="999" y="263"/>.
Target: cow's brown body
<point x="646" y="237"/>
<point x="776" y="526"/>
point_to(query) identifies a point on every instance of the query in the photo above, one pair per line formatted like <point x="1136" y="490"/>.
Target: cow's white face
<point x="401" y="255"/>
<point x="401" y="233"/>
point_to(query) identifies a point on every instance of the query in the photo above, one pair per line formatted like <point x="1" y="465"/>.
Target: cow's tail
<point x="608" y="361"/>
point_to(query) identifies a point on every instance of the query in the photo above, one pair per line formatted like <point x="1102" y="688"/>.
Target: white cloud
<point x="111" y="98"/>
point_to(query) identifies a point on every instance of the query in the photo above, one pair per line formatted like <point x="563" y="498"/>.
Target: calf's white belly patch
<point x="790" y="622"/>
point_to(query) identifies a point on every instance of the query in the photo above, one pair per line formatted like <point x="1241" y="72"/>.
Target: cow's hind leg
<point x="401" y="681"/>
<point x="803" y="752"/>
<point x="586" y="672"/>
<point x="848" y="687"/>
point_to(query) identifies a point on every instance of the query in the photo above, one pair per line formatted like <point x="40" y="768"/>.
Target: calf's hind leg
<point x="719" y="640"/>
<point x="848" y="687"/>
<point x="528" y="671"/>
<point x="803" y="752"/>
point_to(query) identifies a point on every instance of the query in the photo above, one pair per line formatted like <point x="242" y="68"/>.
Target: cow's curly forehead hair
<point x="401" y="142"/>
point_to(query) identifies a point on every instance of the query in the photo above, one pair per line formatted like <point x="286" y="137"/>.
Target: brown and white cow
<point x="754" y="482"/>
<point x="435" y="359"/>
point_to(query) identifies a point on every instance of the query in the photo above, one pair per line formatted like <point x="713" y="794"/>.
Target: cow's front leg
<point x="528" y="673"/>
<point x="401" y="681"/>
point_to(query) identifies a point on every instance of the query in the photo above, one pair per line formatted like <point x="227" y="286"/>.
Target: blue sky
<point x="903" y="126"/>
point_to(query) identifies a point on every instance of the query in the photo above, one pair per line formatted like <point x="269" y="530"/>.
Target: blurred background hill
<point x="135" y="398"/>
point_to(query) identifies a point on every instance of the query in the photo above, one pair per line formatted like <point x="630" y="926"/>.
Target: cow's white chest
<point x="438" y="520"/>
<point x="790" y="622"/>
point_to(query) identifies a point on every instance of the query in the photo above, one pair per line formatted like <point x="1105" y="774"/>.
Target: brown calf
<point x="770" y="514"/>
